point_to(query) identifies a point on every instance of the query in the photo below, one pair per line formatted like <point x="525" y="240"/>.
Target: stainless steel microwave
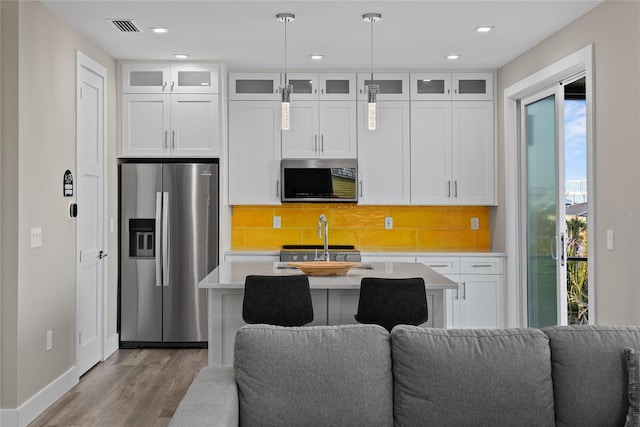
<point x="319" y="180"/>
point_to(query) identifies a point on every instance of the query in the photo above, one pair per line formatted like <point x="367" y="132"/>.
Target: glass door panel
<point x="540" y="145"/>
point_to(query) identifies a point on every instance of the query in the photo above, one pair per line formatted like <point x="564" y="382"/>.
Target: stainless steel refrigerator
<point x="168" y="243"/>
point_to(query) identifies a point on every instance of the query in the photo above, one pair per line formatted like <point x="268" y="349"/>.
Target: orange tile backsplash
<point x="419" y="228"/>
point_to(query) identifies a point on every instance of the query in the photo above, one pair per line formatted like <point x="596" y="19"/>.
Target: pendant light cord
<point x="372" y="47"/>
<point x="285" y="50"/>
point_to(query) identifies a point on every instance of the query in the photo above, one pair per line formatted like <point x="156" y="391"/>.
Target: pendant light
<point x="372" y="89"/>
<point x="286" y="89"/>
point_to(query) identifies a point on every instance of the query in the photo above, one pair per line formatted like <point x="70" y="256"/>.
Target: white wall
<point x="614" y="29"/>
<point x="41" y="290"/>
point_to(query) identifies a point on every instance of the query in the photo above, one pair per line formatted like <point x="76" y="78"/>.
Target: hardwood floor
<point x="140" y="387"/>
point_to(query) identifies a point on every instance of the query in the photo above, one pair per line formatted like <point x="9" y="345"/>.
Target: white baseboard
<point x="37" y="404"/>
<point x="111" y="344"/>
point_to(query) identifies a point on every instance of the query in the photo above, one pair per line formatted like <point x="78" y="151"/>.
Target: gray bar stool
<point x="391" y="302"/>
<point x="277" y="300"/>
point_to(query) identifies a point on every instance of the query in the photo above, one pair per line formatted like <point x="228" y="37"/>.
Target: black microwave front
<point x="319" y="180"/>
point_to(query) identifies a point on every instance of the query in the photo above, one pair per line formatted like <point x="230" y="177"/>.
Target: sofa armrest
<point x="211" y="400"/>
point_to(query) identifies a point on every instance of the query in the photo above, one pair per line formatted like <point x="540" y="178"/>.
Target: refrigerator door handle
<point x="165" y="238"/>
<point x="158" y="255"/>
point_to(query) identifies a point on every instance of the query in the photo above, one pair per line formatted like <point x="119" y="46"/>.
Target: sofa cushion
<point x="314" y="376"/>
<point x="590" y="374"/>
<point x="471" y="377"/>
<point x="632" y="357"/>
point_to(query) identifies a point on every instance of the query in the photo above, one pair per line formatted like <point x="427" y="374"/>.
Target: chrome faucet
<point x="323" y="219"/>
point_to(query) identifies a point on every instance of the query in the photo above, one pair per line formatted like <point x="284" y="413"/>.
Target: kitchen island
<point x="335" y="298"/>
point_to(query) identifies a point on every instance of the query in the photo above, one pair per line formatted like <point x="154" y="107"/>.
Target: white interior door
<point x="90" y="266"/>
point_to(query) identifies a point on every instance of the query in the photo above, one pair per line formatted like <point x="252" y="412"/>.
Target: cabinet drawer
<point x="442" y="265"/>
<point x="481" y="265"/>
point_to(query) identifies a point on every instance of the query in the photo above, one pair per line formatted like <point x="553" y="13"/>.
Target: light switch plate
<point x="388" y="223"/>
<point x="475" y="223"/>
<point x="610" y="239"/>
<point x="36" y="237"/>
<point x="277" y="222"/>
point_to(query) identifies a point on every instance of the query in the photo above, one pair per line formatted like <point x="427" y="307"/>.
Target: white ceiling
<point x="245" y="34"/>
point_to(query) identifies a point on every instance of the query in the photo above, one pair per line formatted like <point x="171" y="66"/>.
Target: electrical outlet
<point x="49" y="340"/>
<point x="475" y="223"/>
<point x="610" y="239"/>
<point x="388" y="223"/>
<point x="277" y="222"/>
<point x="36" y="237"/>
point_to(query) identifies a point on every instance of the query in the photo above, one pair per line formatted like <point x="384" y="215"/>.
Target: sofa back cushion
<point x="471" y="377"/>
<point x="589" y="373"/>
<point x="317" y="375"/>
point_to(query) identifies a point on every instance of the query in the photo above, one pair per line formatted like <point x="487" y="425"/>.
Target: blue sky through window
<point x="575" y="140"/>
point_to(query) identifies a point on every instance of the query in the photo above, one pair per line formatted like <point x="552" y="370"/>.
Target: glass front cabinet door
<point x="169" y="78"/>
<point x="452" y="86"/>
<point x="254" y="86"/>
<point x="392" y="86"/>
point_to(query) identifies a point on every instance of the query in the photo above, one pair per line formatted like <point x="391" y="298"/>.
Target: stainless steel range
<point x="314" y="253"/>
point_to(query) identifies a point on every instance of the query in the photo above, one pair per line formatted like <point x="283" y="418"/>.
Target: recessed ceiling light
<point x="453" y="56"/>
<point x="483" y="29"/>
<point x="159" y="30"/>
<point x="181" y="55"/>
<point x="317" y="57"/>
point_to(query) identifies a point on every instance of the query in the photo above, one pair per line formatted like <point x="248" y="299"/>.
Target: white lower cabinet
<point x="479" y="301"/>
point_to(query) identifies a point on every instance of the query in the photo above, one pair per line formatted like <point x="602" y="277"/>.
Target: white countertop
<point x="371" y="253"/>
<point x="231" y="275"/>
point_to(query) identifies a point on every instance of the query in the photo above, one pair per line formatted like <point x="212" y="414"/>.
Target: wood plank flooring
<point x="138" y="387"/>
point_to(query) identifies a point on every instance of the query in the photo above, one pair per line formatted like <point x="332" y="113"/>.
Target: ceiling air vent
<point x="125" y="25"/>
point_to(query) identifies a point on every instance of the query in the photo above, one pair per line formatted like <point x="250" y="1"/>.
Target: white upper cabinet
<point x="194" y="78"/>
<point x="194" y="126"/>
<point x="156" y="125"/>
<point x="254" y="152"/>
<point x="305" y="86"/>
<point x="452" y="153"/>
<point x="337" y="86"/>
<point x="322" y="86"/>
<point x="473" y="153"/>
<point x="383" y="155"/>
<point x="170" y="110"/>
<point x="452" y="86"/>
<point x="431" y="153"/>
<point x="254" y="86"/>
<point x="169" y="78"/>
<point x="321" y="129"/>
<point x="472" y="86"/>
<point x="392" y="86"/>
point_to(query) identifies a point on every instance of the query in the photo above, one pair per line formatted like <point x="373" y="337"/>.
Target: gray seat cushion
<point x="471" y="377"/>
<point x="314" y="376"/>
<point x="589" y="373"/>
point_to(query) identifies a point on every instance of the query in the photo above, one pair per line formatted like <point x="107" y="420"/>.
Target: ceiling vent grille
<point x="125" y="25"/>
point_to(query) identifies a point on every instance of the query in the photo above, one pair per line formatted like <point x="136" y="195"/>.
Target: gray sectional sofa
<point x="360" y="375"/>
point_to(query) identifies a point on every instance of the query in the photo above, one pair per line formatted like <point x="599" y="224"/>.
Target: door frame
<point x="85" y="62"/>
<point x="577" y="62"/>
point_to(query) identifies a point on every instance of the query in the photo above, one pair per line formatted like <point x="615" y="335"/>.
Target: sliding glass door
<point x="543" y="203"/>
